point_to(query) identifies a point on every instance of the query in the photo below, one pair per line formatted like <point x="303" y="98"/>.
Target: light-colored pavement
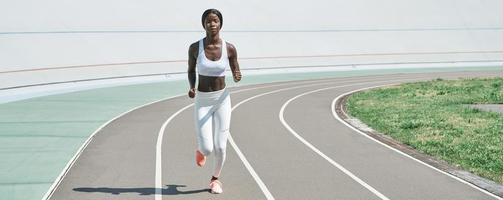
<point x="119" y="163"/>
<point x="489" y="107"/>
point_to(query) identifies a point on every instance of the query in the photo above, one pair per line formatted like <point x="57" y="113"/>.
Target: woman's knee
<point x="220" y="152"/>
<point x="221" y="143"/>
<point x="206" y="149"/>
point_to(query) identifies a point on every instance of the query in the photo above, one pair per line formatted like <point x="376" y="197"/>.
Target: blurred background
<point x="62" y="41"/>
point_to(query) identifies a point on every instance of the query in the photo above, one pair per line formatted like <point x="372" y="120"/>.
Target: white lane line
<point x="158" y="156"/>
<point x="77" y="154"/>
<point x="397" y="151"/>
<point x="72" y="161"/>
<point x="248" y="166"/>
<point x="158" y="176"/>
<point x="238" y="151"/>
<point x="316" y="150"/>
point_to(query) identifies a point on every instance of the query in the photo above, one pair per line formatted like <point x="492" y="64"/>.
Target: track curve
<point x="120" y="161"/>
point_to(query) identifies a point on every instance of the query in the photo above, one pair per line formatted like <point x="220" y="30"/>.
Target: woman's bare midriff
<point x="210" y="83"/>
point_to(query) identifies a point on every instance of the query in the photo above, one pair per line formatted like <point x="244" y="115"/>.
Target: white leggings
<point x="213" y="119"/>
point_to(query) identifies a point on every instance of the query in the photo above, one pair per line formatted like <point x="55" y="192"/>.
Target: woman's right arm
<point x="191" y="71"/>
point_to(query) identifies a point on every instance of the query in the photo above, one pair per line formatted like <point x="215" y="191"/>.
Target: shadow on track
<point x="170" y="190"/>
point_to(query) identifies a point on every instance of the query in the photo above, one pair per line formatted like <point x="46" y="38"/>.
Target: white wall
<point x="82" y="38"/>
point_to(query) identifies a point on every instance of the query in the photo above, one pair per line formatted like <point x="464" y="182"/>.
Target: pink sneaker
<point x="200" y="158"/>
<point x="216" y="187"/>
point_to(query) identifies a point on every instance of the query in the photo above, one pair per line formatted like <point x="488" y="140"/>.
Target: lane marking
<point x="397" y="151"/>
<point x="248" y="166"/>
<point x="158" y="163"/>
<point x="158" y="176"/>
<point x="316" y="150"/>
<point x="72" y="161"/>
<point x="158" y="154"/>
<point x="76" y="156"/>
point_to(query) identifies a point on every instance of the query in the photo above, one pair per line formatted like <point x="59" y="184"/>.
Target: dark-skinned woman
<point x="211" y="56"/>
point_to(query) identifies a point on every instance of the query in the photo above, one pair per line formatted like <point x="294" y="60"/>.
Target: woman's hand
<point x="237" y="76"/>
<point x="192" y="93"/>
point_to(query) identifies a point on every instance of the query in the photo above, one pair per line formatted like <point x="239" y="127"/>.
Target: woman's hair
<point x="214" y="11"/>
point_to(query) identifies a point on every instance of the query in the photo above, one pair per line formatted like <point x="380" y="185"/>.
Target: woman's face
<point x="212" y="24"/>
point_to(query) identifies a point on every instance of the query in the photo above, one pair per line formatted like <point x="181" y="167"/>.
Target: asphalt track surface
<point x="285" y="134"/>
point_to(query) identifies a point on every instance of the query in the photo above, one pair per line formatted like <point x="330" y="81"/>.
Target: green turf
<point x="433" y="117"/>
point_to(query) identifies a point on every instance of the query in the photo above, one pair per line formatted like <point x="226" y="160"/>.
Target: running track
<point x="286" y="144"/>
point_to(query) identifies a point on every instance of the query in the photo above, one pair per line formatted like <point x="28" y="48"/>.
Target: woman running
<point x="212" y="56"/>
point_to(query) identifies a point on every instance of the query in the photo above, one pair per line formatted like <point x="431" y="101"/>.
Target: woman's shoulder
<point x="194" y="49"/>
<point x="230" y="46"/>
<point x="195" y="44"/>
<point x="231" y="50"/>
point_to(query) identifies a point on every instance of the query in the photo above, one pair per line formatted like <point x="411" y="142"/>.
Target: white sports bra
<point x="207" y="67"/>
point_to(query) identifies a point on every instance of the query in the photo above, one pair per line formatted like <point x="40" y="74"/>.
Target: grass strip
<point x="433" y="117"/>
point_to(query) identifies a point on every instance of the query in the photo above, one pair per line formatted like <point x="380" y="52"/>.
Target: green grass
<point x="432" y="118"/>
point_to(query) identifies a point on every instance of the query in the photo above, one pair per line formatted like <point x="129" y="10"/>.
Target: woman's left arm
<point x="233" y="62"/>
